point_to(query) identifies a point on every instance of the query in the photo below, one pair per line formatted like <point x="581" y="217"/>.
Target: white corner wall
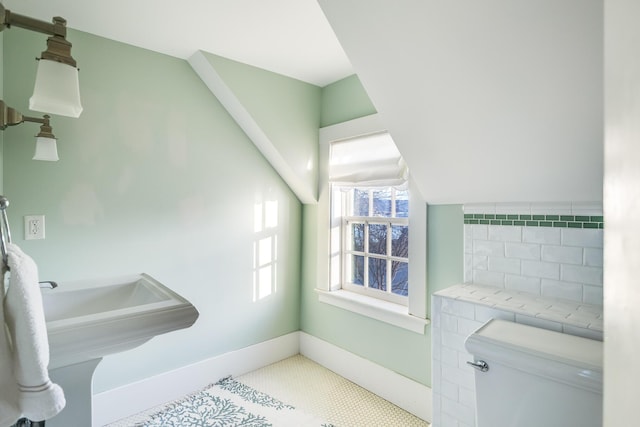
<point x="622" y="209"/>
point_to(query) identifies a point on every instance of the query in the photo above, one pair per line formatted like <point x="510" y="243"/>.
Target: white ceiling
<point x="289" y="37"/>
<point x="488" y="101"/>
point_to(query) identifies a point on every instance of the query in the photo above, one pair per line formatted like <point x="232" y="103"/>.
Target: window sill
<point x="374" y="308"/>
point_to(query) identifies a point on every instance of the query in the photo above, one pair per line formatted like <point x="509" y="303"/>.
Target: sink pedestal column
<point x="76" y="381"/>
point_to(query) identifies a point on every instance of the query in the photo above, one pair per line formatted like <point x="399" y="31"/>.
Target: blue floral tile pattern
<point x="230" y="403"/>
<point x="251" y="395"/>
<point x="205" y="410"/>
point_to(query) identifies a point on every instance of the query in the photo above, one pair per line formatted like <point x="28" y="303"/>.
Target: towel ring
<point x="5" y="232"/>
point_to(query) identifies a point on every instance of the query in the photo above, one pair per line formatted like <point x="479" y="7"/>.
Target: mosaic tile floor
<point x="317" y="390"/>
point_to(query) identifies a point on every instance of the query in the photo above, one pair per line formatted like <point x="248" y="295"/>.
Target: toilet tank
<point x="535" y="377"/>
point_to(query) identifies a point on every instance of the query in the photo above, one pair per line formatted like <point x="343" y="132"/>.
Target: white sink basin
<point x="93" y="318"/>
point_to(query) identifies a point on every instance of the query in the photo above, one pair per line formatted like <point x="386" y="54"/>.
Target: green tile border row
<point x="527" y="220"/>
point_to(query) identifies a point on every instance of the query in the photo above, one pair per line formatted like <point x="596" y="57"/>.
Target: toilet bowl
<point x="531" y="377"/>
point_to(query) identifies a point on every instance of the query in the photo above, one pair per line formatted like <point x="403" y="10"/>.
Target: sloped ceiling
<point x="488" y="101"/>
<point x="288" y="37"/>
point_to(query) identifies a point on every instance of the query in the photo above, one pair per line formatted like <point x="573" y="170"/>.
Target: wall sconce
<point x="57" y="89"/>
<point x="46" y="147"/>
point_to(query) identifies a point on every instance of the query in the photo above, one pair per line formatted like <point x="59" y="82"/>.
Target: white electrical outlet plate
<point x="34" y="227"/>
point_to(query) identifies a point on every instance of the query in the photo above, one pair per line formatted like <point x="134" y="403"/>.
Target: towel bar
<point x="5" y="231"/>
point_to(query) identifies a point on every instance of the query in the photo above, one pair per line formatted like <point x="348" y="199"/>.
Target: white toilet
<point x="531" y="377"/>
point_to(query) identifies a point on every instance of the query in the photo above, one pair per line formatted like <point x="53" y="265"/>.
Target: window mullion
<point x="367" y="258"/>
<point x="345" y="207"/>
<point x="393" y="203"/>
<point x="389" y="276"/>
<point x="388" y="242"/>
<point x="365" y="274"/>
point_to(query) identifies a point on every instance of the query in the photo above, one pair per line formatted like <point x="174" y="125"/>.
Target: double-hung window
<point x="375" y="241"/>
<point x="376" y="221"/>
<point x="370" y="199"/>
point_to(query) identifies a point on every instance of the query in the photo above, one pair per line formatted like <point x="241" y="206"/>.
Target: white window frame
<point x="412" y="316"/>
<point x="345" y="201"/>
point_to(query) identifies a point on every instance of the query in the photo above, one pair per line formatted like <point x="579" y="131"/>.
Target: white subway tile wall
<point x="459" y="310"/>
<point x="548" y="249"/>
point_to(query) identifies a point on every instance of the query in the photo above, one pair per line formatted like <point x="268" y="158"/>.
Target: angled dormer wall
<point x="281" y="115"/>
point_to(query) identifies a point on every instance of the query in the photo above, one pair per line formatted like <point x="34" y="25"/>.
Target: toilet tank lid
<point x="550" y="345"/>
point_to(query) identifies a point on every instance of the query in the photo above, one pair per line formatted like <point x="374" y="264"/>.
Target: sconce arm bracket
<point x="58" y="48"/>
<point x="9" y="116"/>
<point x="56" y="28"/>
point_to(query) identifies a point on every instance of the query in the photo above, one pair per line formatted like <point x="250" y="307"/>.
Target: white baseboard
<point x="409" y="395"/>
<point x="122" y="402"/>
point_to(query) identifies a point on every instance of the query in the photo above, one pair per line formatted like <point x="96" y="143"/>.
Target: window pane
<point x="400" y="240"/>
<point x="372" y="244"/>
<point x="360" y="202"/>
<point x="357" y="270"/>
<point x="357" y="237"/>
<point x="400" y="275"/>
<point x="402" y="204"/>
<point x="382" y="202"/>
<point x="378" y="273"/>
<point x="378" y="239"/>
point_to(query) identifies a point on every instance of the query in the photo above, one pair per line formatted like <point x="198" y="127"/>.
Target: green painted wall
<point x="291" y="123"/>
<point x="397" y="349"/>
<point x="445" y="247"/>
<point x="345" y="100"/>
<point x="154" y="177"/>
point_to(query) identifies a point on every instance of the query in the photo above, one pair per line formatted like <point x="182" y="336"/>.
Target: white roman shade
<point x="367" y="161"/>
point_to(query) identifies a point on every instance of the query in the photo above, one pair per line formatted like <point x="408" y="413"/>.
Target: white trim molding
<point x="415" y="319"/>
<point x="122" y="402"/>
<point x="112" y="405"/>
<point x="403" y="392"/>
<point x="384" y="311"/>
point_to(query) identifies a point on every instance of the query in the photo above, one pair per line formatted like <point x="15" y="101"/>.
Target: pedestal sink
<point x="90" y="319"/>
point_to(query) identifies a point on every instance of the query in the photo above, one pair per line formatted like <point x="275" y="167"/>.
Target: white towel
<point x="9" y="410"/>
<point x="38" y="398"/>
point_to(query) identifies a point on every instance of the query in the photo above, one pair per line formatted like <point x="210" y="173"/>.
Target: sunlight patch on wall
<point x="265" y="249"/>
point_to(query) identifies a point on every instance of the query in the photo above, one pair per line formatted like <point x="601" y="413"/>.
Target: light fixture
<point x="46" y="147"/>
<point x="57" y="89"/>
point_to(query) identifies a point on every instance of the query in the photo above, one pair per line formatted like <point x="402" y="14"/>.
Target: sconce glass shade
<point x="46" y="149"/>
<point x="57" y="89"/>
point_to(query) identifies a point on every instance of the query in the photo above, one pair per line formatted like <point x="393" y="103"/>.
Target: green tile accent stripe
<point x="563" y="221"/>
